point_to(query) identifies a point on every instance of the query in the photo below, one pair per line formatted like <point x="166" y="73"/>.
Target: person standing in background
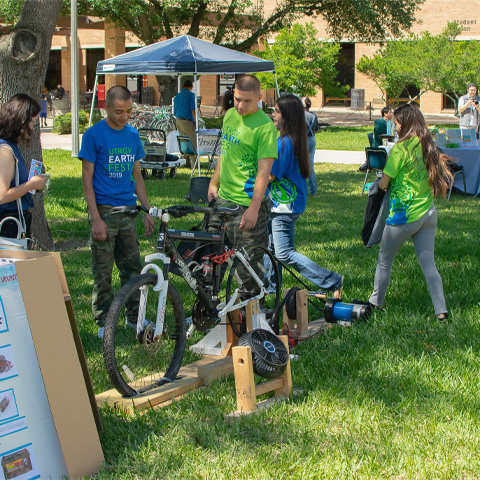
<point x="43" y="111"/>
<point x="312" y="127"/>
<point x="468" y="108"/>
<point x="184" y="111"/>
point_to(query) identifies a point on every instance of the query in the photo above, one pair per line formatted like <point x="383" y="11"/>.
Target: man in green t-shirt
<point x="249" y="146"/>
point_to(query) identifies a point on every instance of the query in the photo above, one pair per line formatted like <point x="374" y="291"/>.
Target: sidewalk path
<point x="335" y="116"/>
<point x="51" y="140"/>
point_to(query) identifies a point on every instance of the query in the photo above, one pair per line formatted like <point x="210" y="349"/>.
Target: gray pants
<point x="422" y="233"/>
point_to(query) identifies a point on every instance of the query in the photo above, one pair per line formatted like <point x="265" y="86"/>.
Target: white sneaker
<point x="101" y="332"/>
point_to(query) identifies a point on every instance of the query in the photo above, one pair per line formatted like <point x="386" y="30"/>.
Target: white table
<point x="469" y="159"/>
<point x="207" y="139"/>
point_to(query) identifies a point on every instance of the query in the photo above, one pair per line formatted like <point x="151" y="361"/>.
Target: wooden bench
<point x="345" y="100"/>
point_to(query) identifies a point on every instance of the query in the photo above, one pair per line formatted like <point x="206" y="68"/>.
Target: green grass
<point x="397" y="398"/>
<point x="348" y="138"/>
<point x="343" y="138"/>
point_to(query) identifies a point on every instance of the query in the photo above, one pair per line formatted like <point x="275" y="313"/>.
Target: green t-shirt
<point x="410" y="193"/>
<point x="245" y="140"/>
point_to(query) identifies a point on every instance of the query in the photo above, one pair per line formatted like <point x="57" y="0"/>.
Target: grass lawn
<point x="397" y="398"/>
<point x="348" y="138"/>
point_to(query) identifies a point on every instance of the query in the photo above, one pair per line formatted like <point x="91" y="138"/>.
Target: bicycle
<point x="134" y="356"/>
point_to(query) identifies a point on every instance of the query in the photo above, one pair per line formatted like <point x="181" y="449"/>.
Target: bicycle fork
<point x="161" y="287"/>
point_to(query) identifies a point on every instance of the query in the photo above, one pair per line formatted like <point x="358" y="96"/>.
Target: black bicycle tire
<point x="235" y="265"/>
<point x="115" y="312"/>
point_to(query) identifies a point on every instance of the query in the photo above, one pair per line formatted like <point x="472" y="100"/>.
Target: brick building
<point x="99" y="40"/>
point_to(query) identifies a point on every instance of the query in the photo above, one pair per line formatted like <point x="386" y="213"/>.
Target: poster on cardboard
<point x="19" y="464"/>
<point x="27" y="418"/>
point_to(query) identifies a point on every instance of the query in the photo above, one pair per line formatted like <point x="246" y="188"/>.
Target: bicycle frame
<point x="167" y="253"/>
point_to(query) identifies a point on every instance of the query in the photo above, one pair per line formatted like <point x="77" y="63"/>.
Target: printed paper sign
<point x="35" y="169"/>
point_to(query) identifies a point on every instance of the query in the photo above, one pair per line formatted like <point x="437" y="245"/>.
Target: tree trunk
<point x="167" y="86"/>
<point x="24" y="53"/>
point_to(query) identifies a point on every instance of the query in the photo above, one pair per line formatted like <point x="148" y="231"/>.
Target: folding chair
<point x="370" y="138"/>
<point x="376" y="160"/>
<point x="198" y="185"/>
<point x="456" y="169"/>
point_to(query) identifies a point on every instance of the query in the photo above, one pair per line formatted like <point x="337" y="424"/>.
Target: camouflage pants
<point x="121" y="247"/>
<point x="241" y="238"/>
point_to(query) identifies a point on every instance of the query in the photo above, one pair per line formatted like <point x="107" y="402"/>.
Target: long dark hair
<point x="294" y="126"/>
<point x="15" y="117"/>
<point x="412" y="124"/>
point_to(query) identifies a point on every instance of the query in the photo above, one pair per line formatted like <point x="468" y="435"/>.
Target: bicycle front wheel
<point x="265" y="266"/>
<point x="135" y="362"/>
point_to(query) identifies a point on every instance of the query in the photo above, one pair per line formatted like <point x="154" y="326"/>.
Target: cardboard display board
<point x="47" y="428"/>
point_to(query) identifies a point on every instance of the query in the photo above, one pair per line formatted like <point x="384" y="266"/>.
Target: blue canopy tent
<point x="184" y="55"/>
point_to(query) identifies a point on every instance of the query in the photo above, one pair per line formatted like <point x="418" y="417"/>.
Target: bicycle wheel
<point x="265" y="266"/>
<point x="134" y="363"/>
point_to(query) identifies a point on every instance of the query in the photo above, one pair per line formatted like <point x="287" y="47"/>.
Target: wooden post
<point x="298" y="326"/>
<point x="245" y="386"/>
<point x="244" y="380"/>
<point x="286" y="388"/>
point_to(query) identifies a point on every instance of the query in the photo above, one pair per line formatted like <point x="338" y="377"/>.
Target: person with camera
<point x="468" y="108"/>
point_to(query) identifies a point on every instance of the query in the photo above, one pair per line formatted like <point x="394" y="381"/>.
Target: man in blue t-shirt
<point x="111" y="152"/>
<point x="184" y="111"/>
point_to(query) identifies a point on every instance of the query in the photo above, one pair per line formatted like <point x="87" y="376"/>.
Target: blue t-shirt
<point x="184" y="104"/>
<point x="27" y="199"/>
<point x="113" y="153"/>
<point x="289" y="190"/>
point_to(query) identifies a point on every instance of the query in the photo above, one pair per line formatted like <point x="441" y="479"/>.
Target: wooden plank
<point x="215" y="370"/>
<point x="315" y="327"/>
<point x="164" y="394"/>
<point x="269" y="386"/>
<point x="156" y="396"/>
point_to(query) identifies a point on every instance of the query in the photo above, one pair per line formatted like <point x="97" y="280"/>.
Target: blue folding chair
<point x="376" y="160"/>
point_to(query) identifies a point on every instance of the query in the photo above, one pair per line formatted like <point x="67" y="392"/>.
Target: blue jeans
<point x="283" y="229"/>
<point x="312" y="179"/>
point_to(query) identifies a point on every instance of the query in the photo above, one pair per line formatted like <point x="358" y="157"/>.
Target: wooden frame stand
<point x="297" y="327"/>
<point x="246" y="389"/>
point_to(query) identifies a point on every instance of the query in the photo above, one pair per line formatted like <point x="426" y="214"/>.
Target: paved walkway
<point x="335" y="116"/>
<point x="64" y="142"/>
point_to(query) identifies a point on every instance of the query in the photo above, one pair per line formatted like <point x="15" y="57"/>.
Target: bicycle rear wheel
<point x="265" y="266"/>
<point x="134" y="363"/>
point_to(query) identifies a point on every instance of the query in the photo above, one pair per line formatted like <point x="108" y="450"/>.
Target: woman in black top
<point x="17" y="120"/>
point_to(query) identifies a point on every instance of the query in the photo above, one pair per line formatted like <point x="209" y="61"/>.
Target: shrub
<point x="63" y="123"/>
<point x="215" y="122"/>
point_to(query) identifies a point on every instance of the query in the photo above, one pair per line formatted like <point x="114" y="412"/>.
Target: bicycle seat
<point x="228" y="209"/>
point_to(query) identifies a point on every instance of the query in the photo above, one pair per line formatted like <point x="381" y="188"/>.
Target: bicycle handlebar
<point x="178" y="211"/>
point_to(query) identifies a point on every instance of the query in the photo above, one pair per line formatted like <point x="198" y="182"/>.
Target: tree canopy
<point x="303" y="64"/>
<point x="240" y="24"/>
<point x="437" y="63"/>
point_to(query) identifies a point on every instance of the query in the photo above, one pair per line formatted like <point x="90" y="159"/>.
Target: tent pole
<point x="196" y="121"/>
<point x="93" y="100"/>
<point x="276" y="83"/>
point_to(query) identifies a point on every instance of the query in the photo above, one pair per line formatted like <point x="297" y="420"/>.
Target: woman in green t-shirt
<point x="416" y="171"/>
